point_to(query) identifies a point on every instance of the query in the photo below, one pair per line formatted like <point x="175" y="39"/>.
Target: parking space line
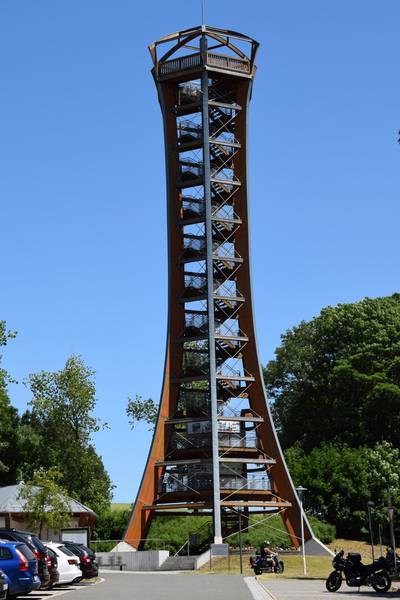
<point x="53" y="593"/>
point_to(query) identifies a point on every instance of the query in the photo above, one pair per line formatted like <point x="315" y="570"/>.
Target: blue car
<point x="20" y="567"/>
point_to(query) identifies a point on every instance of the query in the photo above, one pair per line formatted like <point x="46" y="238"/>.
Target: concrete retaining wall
<point x="149" y="560"/>
<point x="202" y="559"/>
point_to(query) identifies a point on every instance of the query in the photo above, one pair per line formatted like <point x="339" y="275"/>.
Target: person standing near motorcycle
<point x="393" y="558"/>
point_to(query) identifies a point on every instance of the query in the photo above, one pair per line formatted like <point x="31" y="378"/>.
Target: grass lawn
<point x="354" y="546"/>
<point x="318" y="567"/>
<point x="121" y="506"/>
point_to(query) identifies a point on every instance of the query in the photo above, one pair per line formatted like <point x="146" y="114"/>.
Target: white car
<point x="68" y="563"/>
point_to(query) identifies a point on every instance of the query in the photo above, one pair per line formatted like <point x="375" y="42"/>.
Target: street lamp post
<point x="240" y="542"/>
<point x="391" y="528"/>
<point x="300" y="492"/>
<point x="370" y="504"/>
<point x="392" y="538"/>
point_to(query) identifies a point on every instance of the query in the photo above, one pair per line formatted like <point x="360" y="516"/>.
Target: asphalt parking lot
<point x="153" y="586"/>
<point x="58" y="591"/>
<point x="314" y="589"/>
<point x="162" y="586"/>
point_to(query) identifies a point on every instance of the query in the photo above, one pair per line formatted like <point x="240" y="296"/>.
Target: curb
<point x="258" y="590"/>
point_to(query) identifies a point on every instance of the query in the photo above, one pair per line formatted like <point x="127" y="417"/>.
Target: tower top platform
<point x="183" y="51"/>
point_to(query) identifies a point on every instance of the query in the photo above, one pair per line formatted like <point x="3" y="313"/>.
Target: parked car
<point x="20" y="565"/>
<point x="52" y="565"/>
<point x="87" y="559"/>
<point x="3" y="585"/>
<point x="68" y="562"/>
<point x="37" y="547"/>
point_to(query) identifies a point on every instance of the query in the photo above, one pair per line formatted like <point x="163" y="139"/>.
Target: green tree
<point x="341" y="481"/>
<point x="57" y="432"/>
<point x="337" y="377"/>
<point x="45" y="501"/>
<point x="111" y="524"/>
<point x="9" y="420"/>
<point x="337" y="482"/>
<point x="139" y="410"/>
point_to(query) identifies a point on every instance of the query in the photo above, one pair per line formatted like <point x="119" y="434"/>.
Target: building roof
<point x="10" y="502"/>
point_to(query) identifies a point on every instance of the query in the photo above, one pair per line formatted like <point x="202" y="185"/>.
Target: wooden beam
<point x="176" y="506"/>
<point x="255" y="503"/>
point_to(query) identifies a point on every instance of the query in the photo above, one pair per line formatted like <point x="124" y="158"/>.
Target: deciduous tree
<point x="337" y="377"/>
<point x="45" y="501"/>
<point x="58" y="430"/>
<point x="9" y="420"/>
<point x="142" y="410"/>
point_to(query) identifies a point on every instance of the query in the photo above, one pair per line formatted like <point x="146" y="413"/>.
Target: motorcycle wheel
<point x="257" y="571"/>
<point x="333" y="582"/>
<point x="280" y="567"/>
<point x="383" y="584"/>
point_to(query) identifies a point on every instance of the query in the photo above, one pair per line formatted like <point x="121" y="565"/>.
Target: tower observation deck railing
<point x="184" y="440"/>
<point x="184" y="482"/>
<point x="193" y="61"/>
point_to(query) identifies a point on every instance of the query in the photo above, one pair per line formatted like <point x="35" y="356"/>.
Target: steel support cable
<point x="226" y="239"/>
<point x="225" y="164"/>
<point x="224" y="127"/>
<point x="232" y="315"/>
<point x="224" y="201"/>
<point x="242" y="398"/>
<point x="278" y="512"/>
<point x="185" y="485"/>
<point x="220" y="94"/>
<point x="239" y="350"/>
<point x="238" y="489"/>
<point x="241" y="439"/>
<point x="267" y="469"/>
<point x="226" y="161"/>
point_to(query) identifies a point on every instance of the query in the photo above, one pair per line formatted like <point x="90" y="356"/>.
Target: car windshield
<point x="26" y="551"/>
<point x="51" y="552"/>
<point x="66" y="551"/>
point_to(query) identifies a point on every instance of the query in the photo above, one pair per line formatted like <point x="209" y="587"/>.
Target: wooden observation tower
<point x="215" y="450"/>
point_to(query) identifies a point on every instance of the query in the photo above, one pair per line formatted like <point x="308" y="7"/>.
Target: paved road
<point x="298" y="589"/>
<point x="162" y="586"/>
<point x="138" y="586"/>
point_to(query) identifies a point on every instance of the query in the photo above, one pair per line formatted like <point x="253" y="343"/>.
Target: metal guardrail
<point x="183" y="483"/>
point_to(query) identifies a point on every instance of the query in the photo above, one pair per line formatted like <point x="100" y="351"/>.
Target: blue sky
<point x="82" y="183"/>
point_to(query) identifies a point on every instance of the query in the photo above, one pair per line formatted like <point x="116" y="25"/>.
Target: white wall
<point x="149" y="560"/>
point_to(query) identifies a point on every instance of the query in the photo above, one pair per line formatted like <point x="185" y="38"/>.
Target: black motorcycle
<point x="267" y="564"/>
<point x="357" y="574"/>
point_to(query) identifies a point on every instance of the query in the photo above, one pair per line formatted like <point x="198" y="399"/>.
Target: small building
<point x="14" y="515"/>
